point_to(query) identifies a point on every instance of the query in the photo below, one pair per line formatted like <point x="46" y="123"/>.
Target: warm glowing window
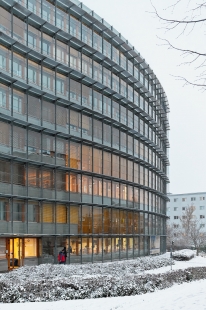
<point x="75" y="183"/>
<point x="75" y="155"/>
<point x="34" y="176"/>
<point x="74" y="215"/>
<point x="115" y="190"/>
<point x="30" y="247"/>
<point x="47" y="179"/>
<point x="86" y="158"/>
<point x="61" y="214"/>
<point x="86" y="219"/>
<point x="48" y="215"/>
<point x="86" y="185"/>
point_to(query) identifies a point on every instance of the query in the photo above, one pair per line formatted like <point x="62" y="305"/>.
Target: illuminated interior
<point x="30" y="247"/>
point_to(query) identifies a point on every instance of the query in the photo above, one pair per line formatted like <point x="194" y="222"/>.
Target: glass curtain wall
<point x="83" y="156"/>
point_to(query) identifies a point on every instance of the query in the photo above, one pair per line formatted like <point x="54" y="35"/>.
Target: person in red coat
<point x="64" y="251"/>
<point x="61" y="257"/>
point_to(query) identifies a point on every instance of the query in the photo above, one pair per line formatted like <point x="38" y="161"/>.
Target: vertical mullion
<point x="92" y="237"/>
<point x="12" y="67"/>
<point x="12" y="212"/>
<point x="27" y="175"/>
<point x="81" y="30"/>
<point x="102" y="233"/>
<point x="68" y="13"/>
<point x="81" y="232"/>
<point x="69" y="230"/>
<point x="55" y="16"/>
<point x="41" y="208"/>
<point x="12" y="22"/>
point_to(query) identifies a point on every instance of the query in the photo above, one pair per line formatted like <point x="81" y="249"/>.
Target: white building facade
<point x="178" y="204"/>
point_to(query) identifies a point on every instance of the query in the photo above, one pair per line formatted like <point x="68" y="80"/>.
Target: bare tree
<point x="186" y="220"/>
<point x="191" y="230"/>
<point x="198" y="237"/>
<point x="171" y="234"/>
<point x="193" y="18"/>
<point x="174" y="233"/>
<point x="189" y="233"/>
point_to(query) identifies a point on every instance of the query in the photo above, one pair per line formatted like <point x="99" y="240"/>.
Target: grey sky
<point x="187" y="104"/>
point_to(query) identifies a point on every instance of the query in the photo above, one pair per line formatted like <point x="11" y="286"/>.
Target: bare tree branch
<point x="181" y="49"/>
<point x="194" y="15"/>
<point x="200" y="6"/>
<point x="187" y="82"/>
<point x="178" y="22"/>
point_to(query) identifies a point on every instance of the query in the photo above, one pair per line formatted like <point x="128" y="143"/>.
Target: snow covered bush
<point x="183" y="254"/>
<point x="48" y="282"/>
<point x="25" y="286"/>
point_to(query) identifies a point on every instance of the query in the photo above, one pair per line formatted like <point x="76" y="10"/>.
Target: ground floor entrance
<point x="14" y="250"/>
<point x="19" y="249"/>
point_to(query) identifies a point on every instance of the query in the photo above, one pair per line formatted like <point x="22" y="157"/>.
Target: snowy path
<point x="190" y="296"/>
<point x="197" y="261"/>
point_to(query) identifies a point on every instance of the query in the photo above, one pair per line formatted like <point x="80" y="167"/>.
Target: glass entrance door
<point x="15" y="252"/>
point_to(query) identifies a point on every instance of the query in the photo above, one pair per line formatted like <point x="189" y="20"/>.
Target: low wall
<point x="3" y="265"/>
<point x="33" y="261"/>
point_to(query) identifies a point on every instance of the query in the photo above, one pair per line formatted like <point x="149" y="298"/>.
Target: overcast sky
<point x="132" y="19"/>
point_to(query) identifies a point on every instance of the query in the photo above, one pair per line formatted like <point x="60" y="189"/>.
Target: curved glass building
<point x="83" y="139"/>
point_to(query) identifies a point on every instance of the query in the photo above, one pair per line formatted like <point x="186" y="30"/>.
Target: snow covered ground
<point x="184" y="296"/>
<point x="197" y="261"/>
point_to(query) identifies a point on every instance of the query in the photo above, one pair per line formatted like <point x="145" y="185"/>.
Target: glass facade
<point x="83" y="136"/>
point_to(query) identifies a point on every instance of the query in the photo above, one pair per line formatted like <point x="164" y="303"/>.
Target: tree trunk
<point x="198" y="251"/>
